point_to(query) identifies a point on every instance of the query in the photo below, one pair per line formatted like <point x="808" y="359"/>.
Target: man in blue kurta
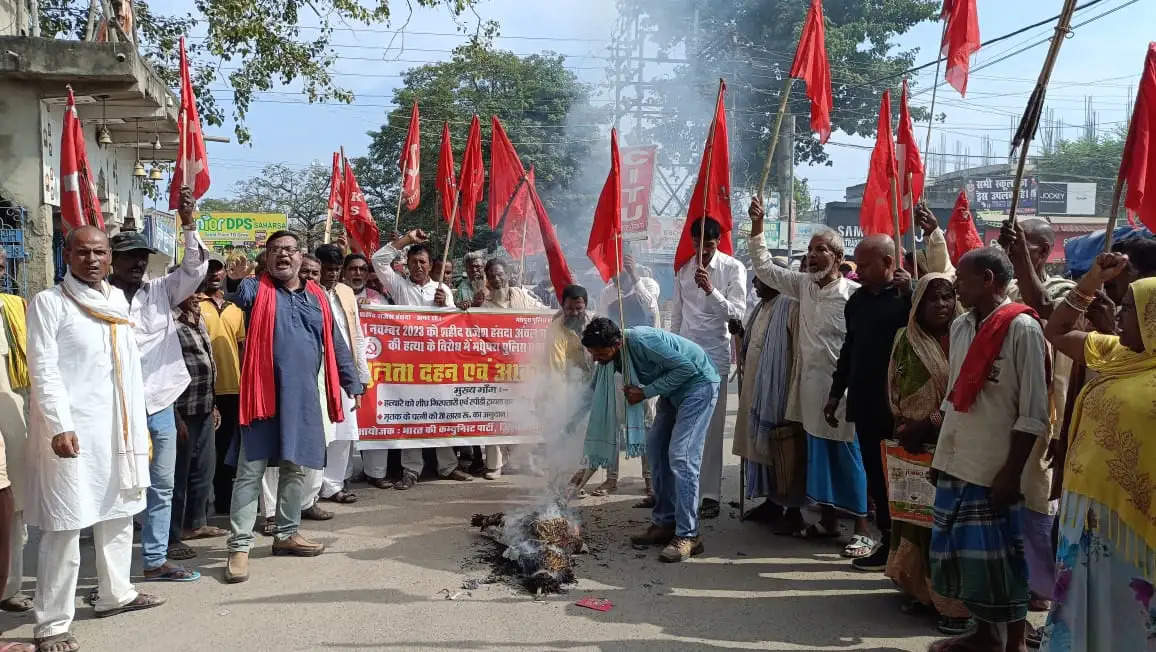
<point x="291" y="338"/>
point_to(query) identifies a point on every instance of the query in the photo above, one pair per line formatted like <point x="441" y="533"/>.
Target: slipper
<point x="51" y="642"/>
<point x="953" y="626"/>
<point x="817" y="531"/>
<point x="206" y="532"/>
<point x="645" y="503"/>
<point x="142" y="601"/>
<point x="180" y="551"/>
<point x="174" y="574"/>
<point x="343" y="497"/>
<point x="18" y="603"/>
<point x="859" y="547"/>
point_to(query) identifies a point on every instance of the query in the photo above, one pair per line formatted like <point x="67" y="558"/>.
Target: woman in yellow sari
<point x="1106" y="553"/>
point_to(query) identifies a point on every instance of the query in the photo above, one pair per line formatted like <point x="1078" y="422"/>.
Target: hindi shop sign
<point x="637" y="183"/>
<point x="450" y="378"/>
<point x="223" y="231"/>
<point x="995" y="194"/>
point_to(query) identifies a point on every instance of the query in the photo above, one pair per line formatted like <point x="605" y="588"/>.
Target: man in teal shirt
<point x="679" y="372"/>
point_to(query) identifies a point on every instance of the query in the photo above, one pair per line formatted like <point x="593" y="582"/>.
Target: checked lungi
<point x="977" y="552"/>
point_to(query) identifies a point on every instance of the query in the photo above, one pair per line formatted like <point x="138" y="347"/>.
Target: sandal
<point x="645" y="503"/>
<point x="343" y="497"/>
<point x="170" y="573"/>
<point x="860" y="546"/>
<point x="953" y="626"/>
<point x="65" y="642"/>
<point x="181" y="551"/>
<point x="605" y="489"/>
<point x="18" y="603"/>
<point x="380" y="483"/>
<point x="817" y="531"/>
<point x="142" y="601"/>
<point x="204" y="532"/>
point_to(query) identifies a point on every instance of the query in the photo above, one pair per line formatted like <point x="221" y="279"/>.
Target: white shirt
<point x="646" y="289"/>
<point x="512" y="298"/>
<point x="974" y="445"/>
<point x="71" y="367"/>
<point x="701" y="317"/>
<point x="822" y="328"/>
<point x="404" y="291"/>
<point x="151" y="312"/>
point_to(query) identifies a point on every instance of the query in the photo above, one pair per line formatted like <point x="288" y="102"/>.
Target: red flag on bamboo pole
<point x="473" y="178"/>
<point x="528" y="231"/>
<point x="192" y="165"/>
<point x="337" y="190"/>
<point x="359" y="223"/>
<point x="960" y="40"/>
<point x="410" y="162"/>
<point x="79" y="205"/>
<point x="812" y="66"/>
<point x="712" y="190"/>
<point x="961" y="234"/>
<point x="907" y="156"/>
<point x="446" y="183"/>
<point x="1138" y="164"/>
<point x="605" y="246"/>
<point x="506" y="171"/>
<point x="876" y="214"/>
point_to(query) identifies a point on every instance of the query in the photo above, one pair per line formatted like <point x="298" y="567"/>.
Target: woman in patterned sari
<point x="917" y="383"/>
<point x="1106" y="553"/>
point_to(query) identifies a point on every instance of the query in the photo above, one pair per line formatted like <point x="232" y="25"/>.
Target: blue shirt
<point x="667" y="365"/>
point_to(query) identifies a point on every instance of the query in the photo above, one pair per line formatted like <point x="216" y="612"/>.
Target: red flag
<point x="337" y="190"/>
<point x="506" y="171"/>
<point x="1138" y="165"/>
<point x="605" y="246"/>
<point x="877" y="213"/>
<point x="79" y="205"/>
<point x="192" y="165"/>
<point x="907" y="156"/>
<point x="539" y="235"/>
<point x="712" y="191"/>
<point x="446" y="183"/>
<point x="960" y="40"/>
<point x="410" y="162"/>
<point x="961" y="234"/>
<point x="359" y="224"/>
<point x="811" y="65"/>
<point x="473" y="178"/>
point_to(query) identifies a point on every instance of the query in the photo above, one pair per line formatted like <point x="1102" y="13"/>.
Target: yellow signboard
<point x="224" y="231"/>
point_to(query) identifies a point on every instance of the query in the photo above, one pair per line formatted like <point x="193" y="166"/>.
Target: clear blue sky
<point x="1102" y="59"/>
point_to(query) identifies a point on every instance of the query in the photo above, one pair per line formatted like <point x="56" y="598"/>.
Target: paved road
<point x="378" y="587"/>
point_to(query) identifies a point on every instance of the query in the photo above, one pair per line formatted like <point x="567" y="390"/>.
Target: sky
<point x="1102" y="59"/>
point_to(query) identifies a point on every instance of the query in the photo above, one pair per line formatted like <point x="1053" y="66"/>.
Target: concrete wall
<point x="14" y="20"/>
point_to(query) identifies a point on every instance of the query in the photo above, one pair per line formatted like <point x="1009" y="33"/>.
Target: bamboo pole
<point x="450" y="233"/>
<point x="785" y="96"/>
<point x="1031" y="117"/>
<point x="1111" y="227"/>
<point x="400" y="195"/>
<point x="914" y="249"/>
<point x="522" y="257"/>
<point x="934" y="88"/>
<point x="709" y="158"/>
<point x="895" y="221"/>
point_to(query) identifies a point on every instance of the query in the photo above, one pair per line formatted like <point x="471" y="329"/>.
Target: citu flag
<point x="907" y="156"/>
<point x="812" y="66"/>
<point x="472" y="180"/>
<point x="877" y="213"/>
<point x="359" y="224"/>
<point x="712" y="190"/>
<point x="506" y="171"/>
<point x="531" y="225"/>
<point x="961" y="234"/>
<point x="79" y="204"/>
<point x="192" y="165"/>
<point x="337" y="189"/>
<point x="605" y="246"/>
<point x="446" y="184"/>
<point x="960" y="40"/>
<point x="410" y="162"/>
<point x="1138" y="164"/>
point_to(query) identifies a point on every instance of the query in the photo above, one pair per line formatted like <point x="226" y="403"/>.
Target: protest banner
<point x="910" y="493"/>
<point x="637" y="183"/>
<point x="450" y="378"/>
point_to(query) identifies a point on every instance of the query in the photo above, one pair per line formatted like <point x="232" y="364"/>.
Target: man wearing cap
<point x="151" y="305"/>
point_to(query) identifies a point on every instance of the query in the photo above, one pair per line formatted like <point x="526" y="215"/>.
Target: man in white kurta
<point x="88" y="440"/>
<point x="703" y="304"/>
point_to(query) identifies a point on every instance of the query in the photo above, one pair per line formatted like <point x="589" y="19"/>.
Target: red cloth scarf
<point x="982" y="353"/>
<point x="258" y="383"/>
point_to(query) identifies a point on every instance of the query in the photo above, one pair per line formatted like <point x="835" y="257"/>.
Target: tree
<point x="1096" y="160"/>
<point x="546" y="113"/>
<point x="751" y="43"/>
<point x="261" y="39"/>
<point x="301" y="194"/>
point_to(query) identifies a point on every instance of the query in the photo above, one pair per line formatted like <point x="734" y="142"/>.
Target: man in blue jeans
<point x="151" y="305"/>
<point x="679" y="372"/>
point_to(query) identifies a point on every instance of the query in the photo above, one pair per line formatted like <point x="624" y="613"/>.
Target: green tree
<point x="260" y="40"/>
<point x="751" y="44"/>
<point x="302" y="194"/>
<point x="545" y="110"/>
<point x="1084" y="160"/>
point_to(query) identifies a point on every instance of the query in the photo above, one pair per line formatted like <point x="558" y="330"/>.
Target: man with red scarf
<point x="292" y="336"/>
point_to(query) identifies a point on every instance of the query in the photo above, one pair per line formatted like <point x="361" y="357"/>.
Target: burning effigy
<point x="537" y="545"/>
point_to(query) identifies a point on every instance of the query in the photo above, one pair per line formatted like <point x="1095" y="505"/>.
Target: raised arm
<point x="183" y="281"/>
<point x="1031" y="287"/>
<point x="784" y="280"/>
<point x="383" y="261"/>
<point x="1061" y="328"/>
